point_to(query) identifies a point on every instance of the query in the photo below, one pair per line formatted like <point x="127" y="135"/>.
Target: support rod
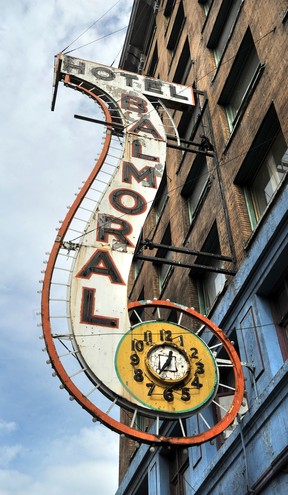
<point x="184" y="148"/>
<point x="151" y="245"/>
<point x="165" y="261"/>
<point x="103" y="122"/>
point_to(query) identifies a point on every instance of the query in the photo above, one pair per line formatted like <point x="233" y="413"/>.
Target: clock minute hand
<point x="167" y="362"/>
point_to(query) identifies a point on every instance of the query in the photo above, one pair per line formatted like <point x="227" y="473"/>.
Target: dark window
<point x="161" y="198"/>
<point x="206" y="5"/>
<point x="223" y="27"/>
<point x="179" y="473"/>
<point x="279" y="305"/>
<point x="210" y="283"/>
<point x="184" y="65"/>
<point x="224" y="397"/>
<point x="169" y="8"/>
<point x="178" y="462"/>
<point x="264" y="167"/>
<point x="189" y="119"/>
<point x="241" y="81"/>
<point x="176" y="29"/>
<point x="196" y="186"/>
<point x="164" y="269"/>
<point x="154" y="62"/>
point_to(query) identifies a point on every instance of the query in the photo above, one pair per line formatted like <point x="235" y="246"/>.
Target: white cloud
<point x="7" y="426"/>
<point x="50" y="447"/>
<point x="61" y="467"/>
<point x="8" y="453"/>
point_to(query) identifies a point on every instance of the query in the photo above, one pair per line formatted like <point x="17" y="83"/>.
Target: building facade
<point x="225" y="194"/>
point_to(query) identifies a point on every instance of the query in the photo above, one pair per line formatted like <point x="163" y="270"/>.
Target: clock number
<point x="151" y="387"/>
<point x="138" y="375"/>
<point x="168" y="395"/>
<point x="196" y="382"/>
<point x="200" y="368"/>
<point x="148" y="337"/>
<point x="134" y="359"/>
<point x="166" y="335"/>
<point x="181" y="340"/>
<point x="185" y="394"/>
<point x="137" y="345"/>
<point x="194" y="354"/>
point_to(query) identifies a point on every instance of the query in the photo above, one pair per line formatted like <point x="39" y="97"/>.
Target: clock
<point x="168" y="363"/>
<point x="166" y="368"/>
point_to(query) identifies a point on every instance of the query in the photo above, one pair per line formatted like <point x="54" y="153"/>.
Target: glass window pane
<point x="242" y="85"/>
<point x="268" y="176"/>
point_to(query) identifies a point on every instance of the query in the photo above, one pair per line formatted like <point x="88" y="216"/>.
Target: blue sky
<point x="48" y="444"/>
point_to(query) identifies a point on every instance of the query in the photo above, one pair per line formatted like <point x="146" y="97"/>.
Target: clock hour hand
<point x="167" y="362"/>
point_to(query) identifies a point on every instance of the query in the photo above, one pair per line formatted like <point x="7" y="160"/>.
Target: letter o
<point x="103" y="73"/>
<point x="116" y="199"/>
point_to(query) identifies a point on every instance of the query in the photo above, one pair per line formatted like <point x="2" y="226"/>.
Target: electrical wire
<point x="93" y="24"/>
<point x="98" y="39"/>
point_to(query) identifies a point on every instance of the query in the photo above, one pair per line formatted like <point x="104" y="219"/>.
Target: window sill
<point x="254" y="233"/>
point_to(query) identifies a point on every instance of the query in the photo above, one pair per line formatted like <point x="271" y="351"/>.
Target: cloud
<point x="7" y="426"/>
<point x="60" y="468"/>
<point x="8" y="453"/>
<point x="50" y="446"/>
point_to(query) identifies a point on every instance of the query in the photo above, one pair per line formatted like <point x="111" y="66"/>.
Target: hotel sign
<point x="99" y="326"/>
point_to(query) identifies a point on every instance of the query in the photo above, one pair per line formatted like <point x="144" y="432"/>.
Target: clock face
<point x="168" y="363"/>
<point x="166" y="367"/>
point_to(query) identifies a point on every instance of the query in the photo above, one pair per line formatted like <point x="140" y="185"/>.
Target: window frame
<point x="226" y="15"/>
<point x="187" y="191"/>
<point x="273" y="298"/>
<point x="245" y="52"/>
<point x="177" y="29"/>
<point x="263" y="143"/>
<point x="164" y="270"/>
<point x="211" y="245"/>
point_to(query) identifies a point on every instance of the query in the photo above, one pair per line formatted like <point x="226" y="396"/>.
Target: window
<point x="169" y="8"/>
<point x="260" y="191"/>
<point x="176" y="29"/>
<point x="178" y="465"/>
<point x="154" y="61"/>
<point x="196" y="186"/>
<point x="223" y="27"/>
<point x="206" y="5"/>
<point x="184" y="65"/>
<point x="164" y="269"/>
<point x="189" y="120"/>
<point x="161" y="198"/>
<point x="179" y="473"/>
<point x="264" y="168"/>
<point x="210" y="283"/>
<point x="224" y="398"/>
<point x="241" y="81"/>
<point x="279" y="306"/>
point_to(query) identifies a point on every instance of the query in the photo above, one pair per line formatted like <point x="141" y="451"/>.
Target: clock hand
<point x="167" y="362"/>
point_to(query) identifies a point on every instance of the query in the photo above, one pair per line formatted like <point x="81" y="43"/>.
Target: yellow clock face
<point x="167" y="368"/>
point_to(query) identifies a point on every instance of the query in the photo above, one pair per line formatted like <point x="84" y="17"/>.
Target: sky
<point x="48" y="444"/>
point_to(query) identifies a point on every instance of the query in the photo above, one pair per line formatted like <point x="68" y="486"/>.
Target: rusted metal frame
<point x="151" y="245"/>
<point x="58" y="64"/>
<point x="189" y="150"/>
<point x="165" y="261"/>
<point x="184" y="141"/>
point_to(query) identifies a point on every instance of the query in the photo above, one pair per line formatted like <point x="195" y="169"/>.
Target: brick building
<point x="225" y="194"/>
